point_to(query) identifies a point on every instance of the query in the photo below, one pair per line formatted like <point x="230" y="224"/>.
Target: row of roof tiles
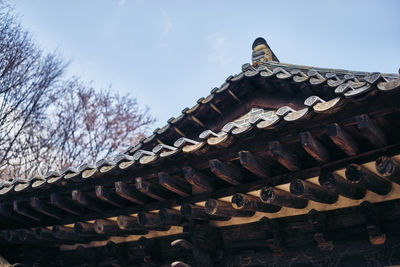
<point x="298" y="74"/>
<point x="349" y="87"/>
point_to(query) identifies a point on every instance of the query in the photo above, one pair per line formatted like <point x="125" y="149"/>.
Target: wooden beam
<point x="252" y="203"/>
<point x="10" y="236"/>
<point x="86" y="201"/>
<point x="62" y="232"/>
<point x="43" y="234"/>
<point x="179" y="264"/>
<point x="9" y="214"/>
<point x="24" y="209"/>
<point x="318" y="221"/>
<point x="198" y="179"/>
<point x="278" y="197"/>
<point x="273" y="236"/>
<point x="190" y="211"/>
<point x="225" y="209"/>
<point x="253" y="164"/>
<point x="106" y="195"/>
<point x="106" y="227"/>
<point x="371" y="131"/>
<point x="152" y="190"/>
<point x="84" y="229"/>
<point x="69" y="234"/>
<point x="45" y="208"/>
<point x="226" y="172"/>
<point x="66" y="205"/>
<point x="174" y="184"/>
<point x="367" y="179"/>
<point x="342" y="139"/>
<point x="148" y="219"/>
<point x="128" y="222"/>
<point x="314" y="148"/>
<point x="170" y="217"/>
<point x="373" y="222"/>
<point x="389" y="168"/>
<point x="334" y="182"/>
<point x="286" y="158"/>
<point x="312" y="192"/>
<point x="131" y="223"/>
<point x="26" y="235"/>
<point x="131" y="194"/>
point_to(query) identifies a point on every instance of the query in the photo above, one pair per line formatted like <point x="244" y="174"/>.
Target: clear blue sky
<point x="170" y="53"/>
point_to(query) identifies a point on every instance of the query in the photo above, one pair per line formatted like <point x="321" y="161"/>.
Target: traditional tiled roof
<point x="323" y="90"/>
<point x="276" y="140"/>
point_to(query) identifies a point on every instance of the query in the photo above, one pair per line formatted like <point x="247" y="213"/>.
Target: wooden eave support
<point x="131" y="194"/>
<point x="108" y="227"/>
<point x="110" y="197"/>
<point x="199" y="181"/>
<point x="174" y="184"/>
<point x="253" y="164"/>
<point x="312" y="192"/>
<point x="371" y="131"/>
<point x="179" y="264"/>
<point x="226" y="172"/>
<point x="43" y="234"/>
<point x="24" y="209"/>
<point x="25" y="235"/>
<point x="128" y="223"/>
<point x="342" y="139"/>
<point x="86" y="201"/>
<point x="273" y="235"/>
<point x="334" y="182"/>
<point x="170" y="217"/>
<point x="318" y="221"/>
<point x="388" y="168"/>
<point x="150" y="250"/>
<point x="374" y="229"/>
<point x="225" y="209"/>
<point x="10" y="236"/>
<point x="278" y="197"/>
<point x="154" y="191"/>
<point x="148" y="219"/>
<point x="367" y="179"/>
<point x="45" y="208"/>
<point x="66" y="205"/>
<point x="252" y="203"/>
<point x="66" y="233"/>
<point x="85" y="229"/>
<point x="118" y="253"/>
<point x="8" y="212"/>
<point x="314" y="148"/>
<point x="190" y="212"/>
<point x="286" y="158"/>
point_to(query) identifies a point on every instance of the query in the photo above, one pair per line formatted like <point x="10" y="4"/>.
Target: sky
<point x="168" y="54"/>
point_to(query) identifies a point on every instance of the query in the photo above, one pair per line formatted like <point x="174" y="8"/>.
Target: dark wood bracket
<point x="273" y="235"/>
<point x="318" y="221"/>
<point x="374" y="229"/>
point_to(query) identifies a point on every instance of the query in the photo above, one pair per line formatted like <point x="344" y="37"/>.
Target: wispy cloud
<point x="167" y="23"/>
<point x="167" y="28"/>
<point x="219" y="45"/>
<point x="121" y="2"/>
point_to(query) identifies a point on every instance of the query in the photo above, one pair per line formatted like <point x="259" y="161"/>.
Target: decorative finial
<point x="262" y="52"/>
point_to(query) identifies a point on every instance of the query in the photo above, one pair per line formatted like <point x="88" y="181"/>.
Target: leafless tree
<point x="27" y="84"/>
<point x="92" y="124"/>
<point x="48" y="121"/>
